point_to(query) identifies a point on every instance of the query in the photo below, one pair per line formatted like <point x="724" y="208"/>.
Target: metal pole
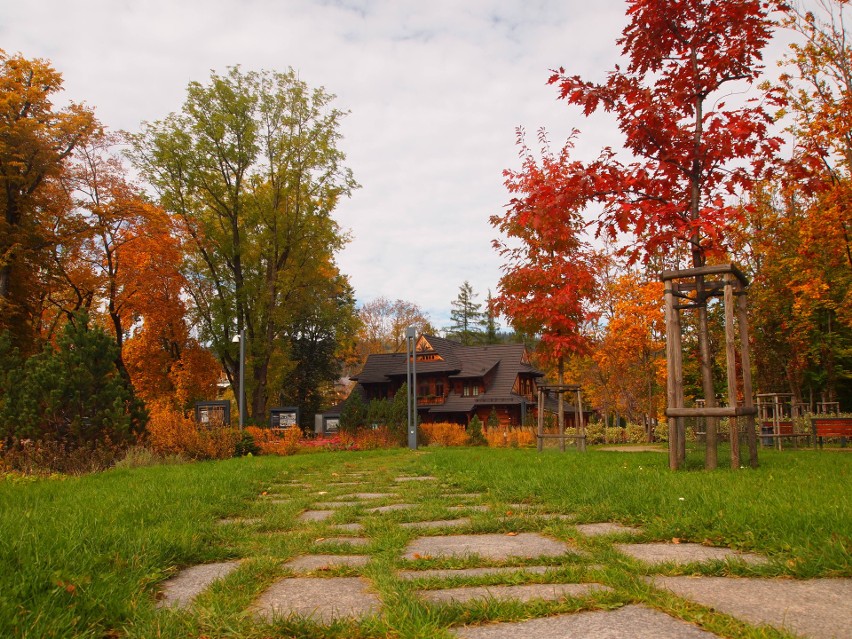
<point x="242" y="377"/>
<point x="411" y="380"/>
<point x="408" y="383"/>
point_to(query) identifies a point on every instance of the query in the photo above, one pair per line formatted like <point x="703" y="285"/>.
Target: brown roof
<point x="504" y="361"/>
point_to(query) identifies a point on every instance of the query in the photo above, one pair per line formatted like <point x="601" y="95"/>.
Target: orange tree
<point x="36" y="141"/>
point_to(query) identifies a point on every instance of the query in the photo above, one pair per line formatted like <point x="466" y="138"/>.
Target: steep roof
<point x="506" y="361"/>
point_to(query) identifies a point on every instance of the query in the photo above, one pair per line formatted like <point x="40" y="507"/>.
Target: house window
<point x="439" y="389"/>
<point x="475" y="390"/>
<point x="467" y="390"/>
<point x="424" y="390"/>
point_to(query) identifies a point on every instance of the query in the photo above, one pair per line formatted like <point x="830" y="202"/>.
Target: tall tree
<point x="36" y="141"/>
<point x="251" y="171"/>
<point x="688" y="151"/>
<point x="383" y="324"/>
<point x="548" y="278"/>
<point x="468" y="320"/>
<point x="492" y="326"/>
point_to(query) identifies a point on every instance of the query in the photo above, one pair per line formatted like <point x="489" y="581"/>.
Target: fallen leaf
<point x="511" y="534"/>
<point x="675" y="540"/>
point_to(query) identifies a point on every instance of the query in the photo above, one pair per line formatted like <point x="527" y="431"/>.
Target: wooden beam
<point x="716" y="411"/>
<point x="716" y="269"/>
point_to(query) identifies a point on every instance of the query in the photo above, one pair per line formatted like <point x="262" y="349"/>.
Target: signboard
<point x="284" y="417"/>
<point x="213" y="413"/>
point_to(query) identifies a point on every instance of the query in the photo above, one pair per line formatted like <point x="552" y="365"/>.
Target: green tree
<point x="474" y="429"/>
<point x="492" y="327"/>
<point x="323" y="332"/>
<point x="354" y="412"/>
<point x="468" y="319"/>
<point x="250" y="171"/>
<point x="74" y="392"/>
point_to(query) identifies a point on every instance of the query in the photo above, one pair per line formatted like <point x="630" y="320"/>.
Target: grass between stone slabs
<point x="83" y="557"/>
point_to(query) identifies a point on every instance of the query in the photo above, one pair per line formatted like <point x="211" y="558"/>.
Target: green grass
<point x="83" y="557"/>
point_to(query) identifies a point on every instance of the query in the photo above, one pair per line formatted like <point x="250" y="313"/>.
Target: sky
<point x="435" y="91"/>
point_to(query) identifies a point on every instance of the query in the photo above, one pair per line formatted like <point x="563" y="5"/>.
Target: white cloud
<point x="435" y="91"/>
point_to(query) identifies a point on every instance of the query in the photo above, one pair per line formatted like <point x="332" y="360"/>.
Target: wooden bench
<point x="832" y="427"/>
<point x="785" y="430"/>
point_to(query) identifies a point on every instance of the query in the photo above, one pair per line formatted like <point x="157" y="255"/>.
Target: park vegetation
<point x="123" y="299"/>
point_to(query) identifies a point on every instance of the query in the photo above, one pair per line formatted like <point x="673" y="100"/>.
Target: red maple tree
<point x="689" y="152"/>
<point x="549" y="275"/>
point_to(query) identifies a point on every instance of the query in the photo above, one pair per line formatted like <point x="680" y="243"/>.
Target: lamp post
<point x="411" y="383"/>
<point x="241" y="338"/>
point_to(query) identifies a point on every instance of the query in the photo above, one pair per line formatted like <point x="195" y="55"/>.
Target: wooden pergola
<point x="560" y="390"/>
<point x="690" y="289"/>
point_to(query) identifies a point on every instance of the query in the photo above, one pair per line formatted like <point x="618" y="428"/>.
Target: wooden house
<point x="456" y="382"/>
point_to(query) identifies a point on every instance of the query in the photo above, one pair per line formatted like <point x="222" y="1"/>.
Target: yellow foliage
<point x="171" y="433"/>
<point x="276" y="442"/>
<point x="445" y="434"/>
<point x="510" y="437"/>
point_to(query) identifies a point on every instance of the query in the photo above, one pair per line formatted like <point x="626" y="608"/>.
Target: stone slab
<point x="315" y="515"/>
<point x="473" y="507"/>
<point x="419" y="478"/>
<point x="606" y="528"/>
<point x="321" y="600"/>
<point x="465" y="495"/>
<point x="629" y="622"/>
<point x="390" y="508"/>
<point x="368" y="496"/>
<point x="180" y="590"/>
<point x="655" y="553"/>
<point x="441" y="523"/>
<point x="337" y="504"/>
<point x="309" y="563"/>
<point x="490" y="546"/>
<point x="525" y="592"/>
<point x="817" y="608"/>
<point x="352" y="541"/>
<point x="449" y="573"/>
<point x="557" y="516"/>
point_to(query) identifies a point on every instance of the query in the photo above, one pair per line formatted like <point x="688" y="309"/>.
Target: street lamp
<point x="411" y="382"/>
<point x="241" y="338"/>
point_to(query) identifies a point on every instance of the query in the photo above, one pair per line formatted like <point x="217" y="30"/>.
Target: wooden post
<point x="745" y="358"/>
<point x="731" y="357"/>
<point x="540" y="418"/>
<point x="582" y="423"/>
<point x="672" y="330"/>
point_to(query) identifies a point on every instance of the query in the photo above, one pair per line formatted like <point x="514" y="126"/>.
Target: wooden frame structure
<point x="544" y="391"/>
<point x="690" y="289"/>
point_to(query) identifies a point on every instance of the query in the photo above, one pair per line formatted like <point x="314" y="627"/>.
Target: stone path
<point x="395" y="519"/>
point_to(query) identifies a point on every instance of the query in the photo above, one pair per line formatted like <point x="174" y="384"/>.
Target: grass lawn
<point x="83" y="557"/>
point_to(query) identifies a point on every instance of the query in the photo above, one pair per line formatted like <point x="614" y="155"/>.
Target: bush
<point x="171" y="433"/>
<point x="141" y="456"/>
<point x="445" y="434"/>
<point x="270" y="442"/>
<point x="369" y="439"/>
<point x="519" y="437"/>
<point x="246" y="445"/>
<point x="46" y="456"/>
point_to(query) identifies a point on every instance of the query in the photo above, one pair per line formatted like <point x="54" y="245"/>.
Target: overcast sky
<point x="435" y="89"/>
